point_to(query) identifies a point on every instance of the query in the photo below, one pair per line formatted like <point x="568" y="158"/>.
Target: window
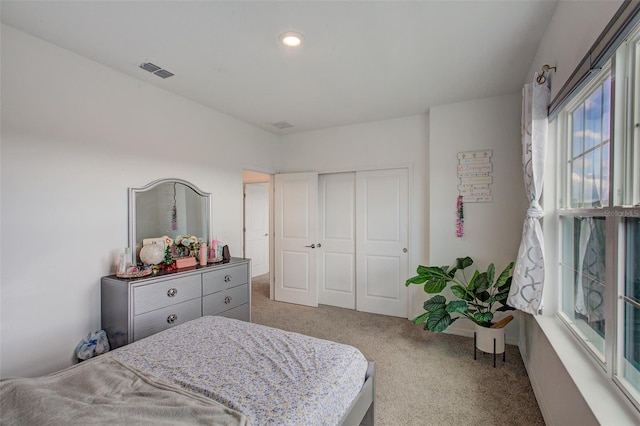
<point x="583" y="225"/>
<point x="590" y="148"/>
<point x="630" y="339"/>
<point x="583" y="277"/>
<point x="599" y="216"/>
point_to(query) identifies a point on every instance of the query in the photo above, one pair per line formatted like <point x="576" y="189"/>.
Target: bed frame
<point x="362" y="409"/>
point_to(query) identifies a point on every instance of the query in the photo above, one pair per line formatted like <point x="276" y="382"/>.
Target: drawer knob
<point x="227" y="300"/>
<point x="227" y="278"/>
<point x="172" y="292"/>
<point x="172" y="318"/>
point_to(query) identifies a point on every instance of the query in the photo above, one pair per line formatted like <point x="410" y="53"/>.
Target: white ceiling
<point x="361" y="60"/>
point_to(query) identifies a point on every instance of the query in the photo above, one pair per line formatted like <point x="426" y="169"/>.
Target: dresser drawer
<point x="241" y="312"/>
<point x="152" y="322"/>
<point x="213" y="304"/>
<point x="165" y="293"/>
<point x="225" y="278"/>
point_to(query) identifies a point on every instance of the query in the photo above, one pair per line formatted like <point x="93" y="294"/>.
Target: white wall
<point x="492" y="230"/>
<point x="574" y="27"/>
<point x="570" y="387"/>
<point x="390" y="143"/>
<point x="75" y="136"/>
<point x="430" y="144"/>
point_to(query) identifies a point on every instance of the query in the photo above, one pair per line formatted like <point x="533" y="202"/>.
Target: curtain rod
<point x="624" y="20"/>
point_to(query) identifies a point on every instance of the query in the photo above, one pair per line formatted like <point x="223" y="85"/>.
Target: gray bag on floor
<point x="93" y="344"/>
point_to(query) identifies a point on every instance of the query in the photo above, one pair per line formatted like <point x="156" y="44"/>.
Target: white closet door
<point x="256" y="226"/>
<point x="336" y="233"/>
<point x="296" y="234"/>
<point x="382" y="206"/>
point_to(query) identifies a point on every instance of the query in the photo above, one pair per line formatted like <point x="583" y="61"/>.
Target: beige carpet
<point x="422" y="378"/>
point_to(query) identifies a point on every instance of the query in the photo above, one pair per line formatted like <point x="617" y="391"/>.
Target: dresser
<point x="136" y="308"/>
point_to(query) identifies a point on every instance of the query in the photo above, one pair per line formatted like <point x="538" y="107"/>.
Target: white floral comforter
<point x="270" y="375"/>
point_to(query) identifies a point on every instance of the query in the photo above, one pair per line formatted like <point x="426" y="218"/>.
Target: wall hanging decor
<point x="474" y="172"/>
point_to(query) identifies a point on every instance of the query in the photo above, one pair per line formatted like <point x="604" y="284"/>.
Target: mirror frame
<point x="132" y="208"/>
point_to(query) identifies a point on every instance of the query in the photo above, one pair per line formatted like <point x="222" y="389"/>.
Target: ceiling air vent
<point x="163" y="73"/>
<point x="282" y="125"/>
<point x="156" y="70"/>
<point x="148" y="66"/>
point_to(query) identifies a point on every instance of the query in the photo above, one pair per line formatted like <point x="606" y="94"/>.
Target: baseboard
<point x="537" y="391"/>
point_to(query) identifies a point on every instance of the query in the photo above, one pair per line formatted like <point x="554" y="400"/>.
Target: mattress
<point x="269" y="375"/>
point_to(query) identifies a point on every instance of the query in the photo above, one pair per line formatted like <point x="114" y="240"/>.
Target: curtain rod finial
<point x="545" y="69"/>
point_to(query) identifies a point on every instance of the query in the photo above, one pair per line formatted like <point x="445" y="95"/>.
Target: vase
<point x="485" y="338"/>
<point x="202" y="254"/>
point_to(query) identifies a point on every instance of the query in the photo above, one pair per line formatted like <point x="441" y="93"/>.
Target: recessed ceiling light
<point x="291" y="39"/>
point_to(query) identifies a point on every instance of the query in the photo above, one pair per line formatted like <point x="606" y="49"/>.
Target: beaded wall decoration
<point x="460" y="217"/>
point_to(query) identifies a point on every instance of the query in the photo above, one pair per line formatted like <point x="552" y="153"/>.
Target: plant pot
<point x="485" y="339"/>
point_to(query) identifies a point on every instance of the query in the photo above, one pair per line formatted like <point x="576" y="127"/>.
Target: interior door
<point x="295" y="240"/>
<point x="256" y="226"/>
<point x="382" y="200"/>
<point x="337" y="235"/>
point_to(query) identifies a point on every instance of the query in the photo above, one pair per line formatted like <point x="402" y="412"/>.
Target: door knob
<point x="404" y="250"/>
<point x="311" y="246"/>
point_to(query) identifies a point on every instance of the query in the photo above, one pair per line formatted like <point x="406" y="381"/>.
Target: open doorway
<point x="257" y="241"/>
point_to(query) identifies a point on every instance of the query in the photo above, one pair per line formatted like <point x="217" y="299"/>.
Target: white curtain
<point x="528" y="275"/>
<point x="591" y="270"/>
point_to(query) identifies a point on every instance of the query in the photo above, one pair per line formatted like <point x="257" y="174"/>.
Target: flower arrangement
<point x="187" y="245"/>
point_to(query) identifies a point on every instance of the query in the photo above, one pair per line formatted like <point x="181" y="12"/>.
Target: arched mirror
<point x="170" y="207"/>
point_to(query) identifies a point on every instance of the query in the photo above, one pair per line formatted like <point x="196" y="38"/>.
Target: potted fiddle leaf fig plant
<point x="477" y="298"/>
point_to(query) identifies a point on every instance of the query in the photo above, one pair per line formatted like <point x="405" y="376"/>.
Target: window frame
<point x="623" y="203"/>
<point x="626" y="63"/>
<point x="565" y="127"/>
<point x="621" y="215"/>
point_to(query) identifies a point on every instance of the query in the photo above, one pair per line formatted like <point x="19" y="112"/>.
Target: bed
<point x="212" y="370"/>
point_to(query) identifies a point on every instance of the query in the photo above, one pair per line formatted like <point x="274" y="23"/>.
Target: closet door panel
<point x="382" y="206"/>
<point x="336" y="234"/>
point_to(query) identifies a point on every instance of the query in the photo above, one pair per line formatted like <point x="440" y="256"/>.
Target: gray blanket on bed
<point x="104" y="391"/>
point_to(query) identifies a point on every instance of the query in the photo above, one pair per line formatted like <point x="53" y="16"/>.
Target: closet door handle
<point x="312" y="246"/>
